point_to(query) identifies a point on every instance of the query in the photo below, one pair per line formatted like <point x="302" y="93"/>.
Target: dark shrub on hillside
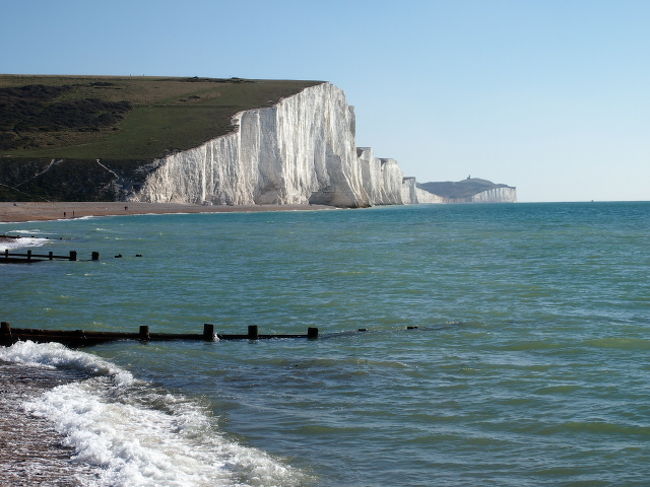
<point x="33" y="108"/>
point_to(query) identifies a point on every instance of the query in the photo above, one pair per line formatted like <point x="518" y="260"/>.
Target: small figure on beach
<point x="126" y="208"/>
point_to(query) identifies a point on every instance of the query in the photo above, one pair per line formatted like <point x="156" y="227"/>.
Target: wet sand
<point x="32" y="452"/>
<point x="31" y="211"/>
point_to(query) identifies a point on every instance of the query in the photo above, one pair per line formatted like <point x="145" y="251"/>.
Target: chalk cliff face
<point x="301" y="150"/>
<point x="382" y="178"/>
<point x="496" y="195"/>
<point x="411" y="194"/>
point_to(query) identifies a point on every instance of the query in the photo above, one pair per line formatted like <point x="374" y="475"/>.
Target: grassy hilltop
<point x="123" y="117"/>
<point x="124" y="121"/>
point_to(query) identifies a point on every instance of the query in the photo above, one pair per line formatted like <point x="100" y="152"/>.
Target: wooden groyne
<point x="82" y="338"/>
<point x="85" y="338"/>
<point x="29" y="257"/>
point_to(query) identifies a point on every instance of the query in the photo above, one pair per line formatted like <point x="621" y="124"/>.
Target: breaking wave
<point x="23" y="242"/>
<point x="135" y="434"/>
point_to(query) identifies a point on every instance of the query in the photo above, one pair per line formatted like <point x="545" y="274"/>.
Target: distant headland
<point x="471" y="190"/>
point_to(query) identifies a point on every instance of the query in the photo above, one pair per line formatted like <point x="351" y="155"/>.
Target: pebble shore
<point x="32" y="451"/>
<point x="62" y="210"/>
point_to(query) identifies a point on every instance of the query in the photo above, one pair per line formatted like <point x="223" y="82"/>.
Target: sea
<point x="505" y="345"/>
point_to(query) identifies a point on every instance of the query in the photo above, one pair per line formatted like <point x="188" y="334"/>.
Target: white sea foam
<point x="135" y="435"/>
<point x="55" y="355"/>
<point x="23" y="242"/>
<point x="28" y="232"/>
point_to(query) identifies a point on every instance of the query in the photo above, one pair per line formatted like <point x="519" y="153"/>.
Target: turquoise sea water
<point x="530" y="365"/>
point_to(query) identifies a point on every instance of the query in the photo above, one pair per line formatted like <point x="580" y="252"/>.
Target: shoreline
<point x="34" y="451"/>
<point x="21" y="212"/>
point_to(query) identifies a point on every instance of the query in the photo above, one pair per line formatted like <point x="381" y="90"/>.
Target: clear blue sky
<point x="549" y="96"/>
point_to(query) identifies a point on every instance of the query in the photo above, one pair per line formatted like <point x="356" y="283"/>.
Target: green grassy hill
<point x="125" y="121"/>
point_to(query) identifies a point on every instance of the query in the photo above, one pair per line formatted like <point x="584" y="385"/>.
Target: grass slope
<point x="123" y="118"/>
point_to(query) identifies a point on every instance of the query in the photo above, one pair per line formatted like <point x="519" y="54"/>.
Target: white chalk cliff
<point x="301" y="150"/>
<point x="412" y="194"/>
<point x="496" y="195"/>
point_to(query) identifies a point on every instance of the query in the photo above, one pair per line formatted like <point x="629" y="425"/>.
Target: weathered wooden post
<point x="5" y="333"/>
<point x="95" y="256"/>
<point x="29" y="255"/>
<point x="252" y="332"/>
<point x="50" y="255"/>
<point x="73" y="255"/>
<point x="208" y="332"/>
<point x="144" y="333"/>
<point x="81" y="336"/>
<point x="312" y="333"/>
<point x="5" y="328"/>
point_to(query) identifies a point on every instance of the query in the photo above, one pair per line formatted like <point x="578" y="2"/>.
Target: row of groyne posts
<point x="82" y="338"/>
<point x="29" y="257"/>
<point x="76" y="338"/>
<point x="7" y="257"/>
